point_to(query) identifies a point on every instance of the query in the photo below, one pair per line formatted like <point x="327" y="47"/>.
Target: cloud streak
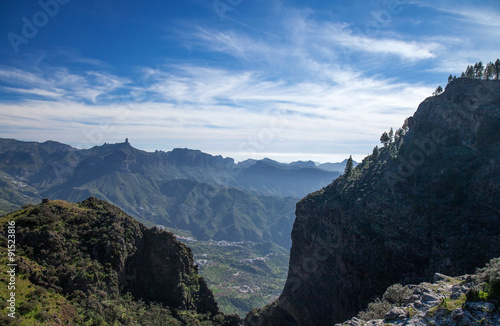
<point x="314" y="87"/>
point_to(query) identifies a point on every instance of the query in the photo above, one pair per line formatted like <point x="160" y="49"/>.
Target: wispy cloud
<point x="61" y="82"/>
<point x="308" y="38"/>
<point x="466" y="32"/>
<point x="242" y="112"/>
<point x="313" y="87"/>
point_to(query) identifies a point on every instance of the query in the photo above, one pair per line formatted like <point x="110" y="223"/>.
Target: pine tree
<point x="450" y="79"/>
<point x="348" y="167"/>
<point x="375" y="152"/>
<point x="469" y="73"/>
<point x="489" y="71"/>
<point x="391" y="135"/>
<point x="497" y="69"/>
<point x="384" y="139"/>
<point x="405" y="125"/>
<point x="438" y="91"/>
<point x="399" y="134"/>
<point x="478" y="70"/>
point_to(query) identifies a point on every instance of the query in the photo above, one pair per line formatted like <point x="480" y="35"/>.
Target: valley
<point x="236" y="217"/>
<point x="242" y="275"/>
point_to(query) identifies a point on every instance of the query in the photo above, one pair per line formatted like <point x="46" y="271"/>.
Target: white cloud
<point x="297" y="96"/>
<point x="467" y="33"/>
<point x="61" y="82"/>
<point x="218" y="110"/>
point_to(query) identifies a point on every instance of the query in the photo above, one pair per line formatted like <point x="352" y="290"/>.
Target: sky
<point x="288" y="80"/>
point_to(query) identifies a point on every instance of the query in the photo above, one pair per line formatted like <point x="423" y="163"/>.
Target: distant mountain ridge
<point x="211" y="196"/>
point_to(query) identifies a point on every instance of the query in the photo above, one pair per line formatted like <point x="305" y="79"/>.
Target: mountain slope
<point x="99" y="262"/>
<point x="256" y="202"/>
<point x="428" y="202"/>
<point x="269" y="177"/>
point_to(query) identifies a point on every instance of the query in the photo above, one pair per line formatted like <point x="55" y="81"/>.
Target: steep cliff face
<point x="95" y="256"/>
<point x="427" y="202"/>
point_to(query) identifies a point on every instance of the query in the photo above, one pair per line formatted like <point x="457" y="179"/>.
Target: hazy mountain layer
<point x="210" y="196"/>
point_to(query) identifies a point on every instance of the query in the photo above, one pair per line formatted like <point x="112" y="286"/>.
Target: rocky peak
<point x="467" y="110"/>
<point x="427" y="202"/>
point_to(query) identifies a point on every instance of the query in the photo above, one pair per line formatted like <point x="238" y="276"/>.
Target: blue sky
<point x="289" y="80"/>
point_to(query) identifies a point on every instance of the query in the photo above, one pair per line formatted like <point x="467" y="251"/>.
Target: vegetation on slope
<point x="91" y="264"/>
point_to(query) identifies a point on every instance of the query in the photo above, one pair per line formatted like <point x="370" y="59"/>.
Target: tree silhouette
<point x="497" y="69"/>
<point x="478" y="70"/>
<point x="348" y="167"/>
<point x="399" y="134"/>
<point x="489" y="71"/>
<point x="391" y="135"/>
<point x="384" y="139"/>
<point x="438" y="91"/>
<point x="469" y="73"/>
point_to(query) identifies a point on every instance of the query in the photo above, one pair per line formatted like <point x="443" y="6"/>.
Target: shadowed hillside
<point x="91" y="264"/>
<point x="428" y="201"/>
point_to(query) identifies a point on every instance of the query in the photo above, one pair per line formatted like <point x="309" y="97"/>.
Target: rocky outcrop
<point x="444" y="302"/>
<point x="427" y="202"/>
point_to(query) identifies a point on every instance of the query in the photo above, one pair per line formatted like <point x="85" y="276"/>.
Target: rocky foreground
<point x="447" y="301"/>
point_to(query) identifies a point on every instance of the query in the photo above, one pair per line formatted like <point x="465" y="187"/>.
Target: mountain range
<point x="211" y="196"/>
<point x="202" y="197"/>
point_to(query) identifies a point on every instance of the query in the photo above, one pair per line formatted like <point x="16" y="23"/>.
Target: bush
<point x="26" y="307"/>
<point x="42" y="316"/>
<point x="490" y="274"/>
<point x="396" y="294"/>
<point x="375" y="310"/>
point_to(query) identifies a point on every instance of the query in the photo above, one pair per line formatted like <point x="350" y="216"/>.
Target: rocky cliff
<point x="105" y="266"/>
<point x="428" y="201"/>
<point x="462" y="301"/>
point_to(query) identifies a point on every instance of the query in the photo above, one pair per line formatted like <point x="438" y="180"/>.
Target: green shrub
<point x="375" y="310"/>
<point x="42" y="315"/>
<point x="26" y="307"/>
<point x="490" y="274"/>
<point x="396" y="294"/>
